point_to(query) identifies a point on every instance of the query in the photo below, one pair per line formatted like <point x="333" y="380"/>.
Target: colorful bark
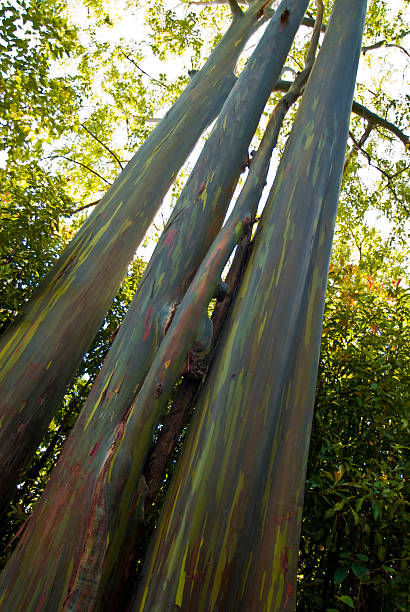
<point x="89" y="513"/>
<point x="39" y="354"/>
<point x="228" y="535"/>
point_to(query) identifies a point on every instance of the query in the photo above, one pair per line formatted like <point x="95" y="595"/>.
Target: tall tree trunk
<point x="228" y="535"/>
<point x="88" y="516"/>
<point x="41" y="351"/>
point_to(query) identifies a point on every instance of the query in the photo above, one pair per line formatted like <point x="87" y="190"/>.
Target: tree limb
<point x="74" y="161"/>
<point x="130" y="59"/>
<point x="398" y="47"/>
<point x="384" y="43"/>
<point x="358" y="144"/>
<point x="389" y="178"/>
<point x="362" y="111"/>
<point x="103" y="145"/>
<point x="235" y="9"/>
<point x="80" y="208"/>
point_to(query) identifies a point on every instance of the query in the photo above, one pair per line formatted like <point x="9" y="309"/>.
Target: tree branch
<point x="130" y="59"/>
<point x="310" y="23"/>
<point x="362" y="111"/>
<point x="74" y="161"/>
<point x="384" y="43"/>
<point x="235" y="9"/>
<point x="102" y="144"/>
<point x="80" y="208"/>
<point x="311" y="54"/>
<point x="386" y="175"/>
<point x="358" y="144"/>
<point x="398" y="47"/>
<point x="149" y="119"/>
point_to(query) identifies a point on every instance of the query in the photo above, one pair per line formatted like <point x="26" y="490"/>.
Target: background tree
<point x="354" y="542"/>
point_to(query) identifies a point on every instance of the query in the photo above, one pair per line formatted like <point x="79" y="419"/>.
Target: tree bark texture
<point x="87" y="519"/>
<point x="41" y="351"/>
<point x="228" y="535"/>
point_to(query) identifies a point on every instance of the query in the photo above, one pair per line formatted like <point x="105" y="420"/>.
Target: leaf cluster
<point x="353" y="549"/>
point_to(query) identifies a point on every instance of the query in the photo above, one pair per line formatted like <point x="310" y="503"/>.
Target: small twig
<point x="143" y="71"/>
<point x="358" y="145"/>
<point x="386" y="175"/>
<point x="74" y="161"/>
<point x="77" y="210"/>
<point x="102" y="144"/>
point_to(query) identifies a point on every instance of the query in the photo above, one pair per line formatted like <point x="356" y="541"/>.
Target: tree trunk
<point x="41" y="351"/>
<point x="228" y="535"/>
<point x="86" y="521"/>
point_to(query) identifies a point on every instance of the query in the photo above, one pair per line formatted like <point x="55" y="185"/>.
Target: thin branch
<point x="362" y="111"/>
<point x="309" y="22"/>
<point x="398" y="47"/>
<point x="358" y="145"/>
<point x="389" y="180"/>
<point x="74" y="161"/>
<point x="384" y="42"/>
<point x="130" y="59"/>
<point x="103" y="145"/>
<point x="150" y="119"/>
<point x="311" y="54"/>
<point x="80" y="208"/>
<point x="386" y="175"/>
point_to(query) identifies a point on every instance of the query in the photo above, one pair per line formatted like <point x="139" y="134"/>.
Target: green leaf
<point x="362" y="557"/>
<point x="376" y="510"/>
<point x="355" y="516"/>
<point x="347" y="600"/>
<point x="340" y="575"/>
<point x="359" y="570"/>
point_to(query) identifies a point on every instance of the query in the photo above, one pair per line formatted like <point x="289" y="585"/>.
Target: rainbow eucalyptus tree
<point x="40" y="352"/>
<point x="228" y="535"/>
<point x="86" y="534"/>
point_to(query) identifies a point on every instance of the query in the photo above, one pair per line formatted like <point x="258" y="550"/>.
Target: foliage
<point x="32" y="234"/>
<point x="356" y="514"/>
<point x="33" y="102"/>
